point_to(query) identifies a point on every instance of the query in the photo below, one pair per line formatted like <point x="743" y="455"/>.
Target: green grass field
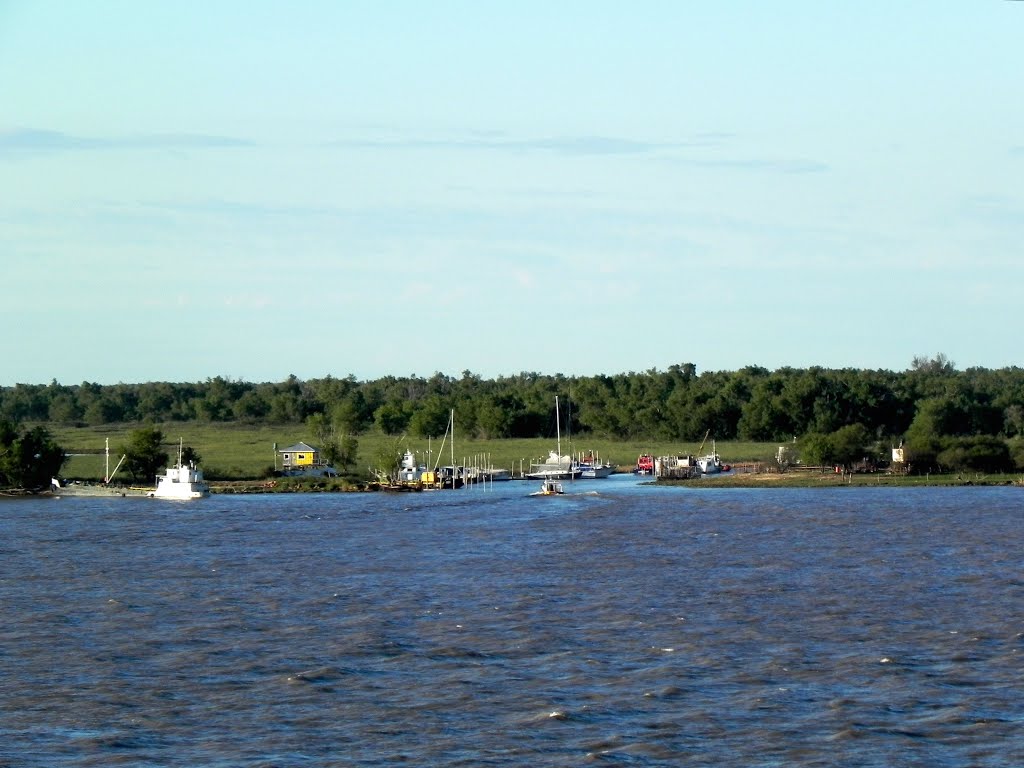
<point x="236" y="452"/>
<point x="239" y="452"/>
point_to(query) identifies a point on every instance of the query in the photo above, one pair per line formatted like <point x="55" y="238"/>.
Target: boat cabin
<point x="644" y="464"/>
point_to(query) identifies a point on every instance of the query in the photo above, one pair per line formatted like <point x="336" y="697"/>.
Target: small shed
<point x="299" y="456"/>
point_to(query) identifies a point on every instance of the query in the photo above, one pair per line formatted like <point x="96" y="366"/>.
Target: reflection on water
<point x="619" y="623"/>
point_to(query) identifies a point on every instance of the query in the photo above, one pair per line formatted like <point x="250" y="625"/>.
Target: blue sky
<point x="254" y="189"/>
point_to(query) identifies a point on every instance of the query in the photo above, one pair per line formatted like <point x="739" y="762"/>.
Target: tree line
<point x="932" y="402"/>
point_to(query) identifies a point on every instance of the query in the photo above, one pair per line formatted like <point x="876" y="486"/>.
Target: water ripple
<point x="632" y="626"/>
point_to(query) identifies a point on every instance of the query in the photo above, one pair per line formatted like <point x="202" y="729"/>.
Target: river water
<point x="620" y="624"/>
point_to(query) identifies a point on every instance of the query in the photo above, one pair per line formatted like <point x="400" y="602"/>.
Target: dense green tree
<point x="981" y="453"/>
<point x="430" y="419"/>
<point x="1016" y="447"/>
<point x="392" y="418"/>
<point x="102" y="410"/>
<point x="762" y="418"/>
<point x="598" y="412"/>
<point x="144" y="453"/>
<point x="499" y="415"/>
<point x="8" y="432"/>
<point x="285" y="408"/>
<point x="156" y="401"/>
<point x="28" y="460"/>
<point x="387" y="459"/>
<point x="250" y="407"/>
<point x="349" y="413"/>
<point x="346" y="451"/>
<point x="64" y="409"/>
<point x="924" y="437"/>
<point x="337" y="447"/>
<point x="1013" y="420"/>
<point x="817" y="449"/>
<point x="929" y="403"/>
<point x="25" y="402"/>
<point x="850" y="444"/>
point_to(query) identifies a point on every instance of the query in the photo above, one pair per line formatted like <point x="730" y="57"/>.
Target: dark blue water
<point x="630" y="625"/>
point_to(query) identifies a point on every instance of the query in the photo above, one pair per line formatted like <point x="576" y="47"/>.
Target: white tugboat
<point x="181" y="482"/>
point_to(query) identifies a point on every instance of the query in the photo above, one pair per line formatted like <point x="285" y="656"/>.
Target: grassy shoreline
<point x="834" y="480"/>
<point x="236" y="457"/>
<point x="245" y="452"/>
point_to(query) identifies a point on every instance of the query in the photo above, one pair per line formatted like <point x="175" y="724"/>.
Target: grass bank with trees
<point x="246" y="452"/>
<point x="949" y="421"/>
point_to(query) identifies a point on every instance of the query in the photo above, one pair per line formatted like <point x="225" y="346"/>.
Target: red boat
<point x="644" y="465"/>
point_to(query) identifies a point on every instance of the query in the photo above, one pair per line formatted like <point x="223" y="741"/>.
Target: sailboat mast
<point x="558" y="432"/>
<point x="568" y="433"/>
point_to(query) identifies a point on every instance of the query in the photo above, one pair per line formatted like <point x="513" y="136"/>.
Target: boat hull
<point x="80" y="489"/>
<point x="554" y="473"/>
<point x="180" y="494"/>
<point x="595" y="472"/>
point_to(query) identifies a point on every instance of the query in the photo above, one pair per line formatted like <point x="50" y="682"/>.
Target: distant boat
<point x="63" y="488"/>
<point x="409" y="471"/>
<point x="644" y="465"/>
<point x="451" y="476"/>
<point x="181" y="483"/>
<point x="486" y="474"/>
<point x="591" y="467"/>
<point x="711" y="463"/>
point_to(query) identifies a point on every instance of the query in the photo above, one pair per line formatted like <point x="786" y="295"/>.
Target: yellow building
<point x="299" y="456"/>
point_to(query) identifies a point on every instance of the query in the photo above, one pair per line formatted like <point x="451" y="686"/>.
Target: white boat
<point x="591" y="467"/>
<point x="181" y="482"/>
<point x="711" y="463"/>
<point x="557" y="466"/>
<point x="410" y="471"/>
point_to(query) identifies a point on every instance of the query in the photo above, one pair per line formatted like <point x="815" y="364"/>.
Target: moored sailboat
<point x="557" y="466"/>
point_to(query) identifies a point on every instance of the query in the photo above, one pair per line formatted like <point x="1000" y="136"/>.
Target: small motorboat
<point x="549" y="488"/>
